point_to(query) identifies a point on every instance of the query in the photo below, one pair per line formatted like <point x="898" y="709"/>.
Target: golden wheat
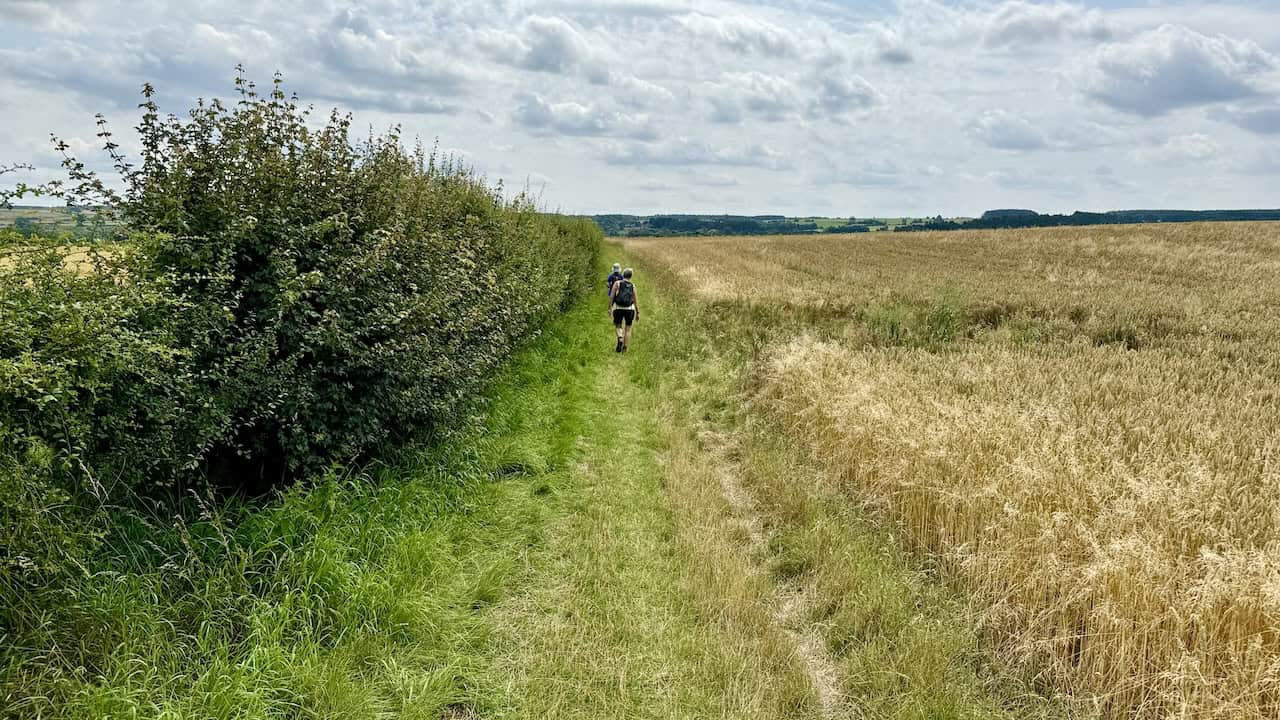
<point x="1106" y="485"/>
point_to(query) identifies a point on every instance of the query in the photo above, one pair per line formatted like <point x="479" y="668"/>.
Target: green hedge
<point x="289" y="299"/>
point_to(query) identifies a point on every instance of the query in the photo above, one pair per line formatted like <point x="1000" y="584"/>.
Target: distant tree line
<point x="663" y="225"/>
<point x="676" y="225"/>
<point x="996" y="219"/>
<point x="679" y="225"/>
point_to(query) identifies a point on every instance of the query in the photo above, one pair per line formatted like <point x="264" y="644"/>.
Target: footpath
<point x="657" y="553"/>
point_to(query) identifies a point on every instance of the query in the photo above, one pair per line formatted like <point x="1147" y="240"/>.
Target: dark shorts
<point x="620" y="316"/>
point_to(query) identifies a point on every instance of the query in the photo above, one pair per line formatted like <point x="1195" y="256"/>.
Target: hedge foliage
<point x="289" y="298"/>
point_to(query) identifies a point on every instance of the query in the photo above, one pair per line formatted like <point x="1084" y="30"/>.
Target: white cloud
<point x="890" y="46"/>
<point x="635" y="92"/>
<point x="911" y="106"/>
<point x="739" y="95"/>
<point x="547" y="44"/>
<point x="57" y="17"/>
<point x="713" y="180"/>
<point x="1025" y="23"/>
<point x="1263" y="120"/>
<point x="575" y="119"/>
<point x="859" y="171"/>
<point x="743" y="34"/>
<point x="1020" y="178"/>
<point x="685" y="152"/>
<point x="1193" y="149"/>
<point x="355" y="47"/>
<point x="1173" y="67"/>
<point x="1006" y="131"/>
<point x="841" y="92"/>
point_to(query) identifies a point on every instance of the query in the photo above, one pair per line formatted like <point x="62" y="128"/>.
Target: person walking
<point x="614" y="277"/>
<point x="624" y="306"/>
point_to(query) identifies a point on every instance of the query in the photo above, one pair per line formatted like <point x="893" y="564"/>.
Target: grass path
<point x="609" y="625"/>
<point x="695" y="568"/>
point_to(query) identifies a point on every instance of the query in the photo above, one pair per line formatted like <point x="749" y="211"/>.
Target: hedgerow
<point x="288" y="298"/>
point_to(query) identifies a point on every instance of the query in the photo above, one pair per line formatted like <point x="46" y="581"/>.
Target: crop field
<point x="76" y="258"/>
<point x="1075" y="425"/>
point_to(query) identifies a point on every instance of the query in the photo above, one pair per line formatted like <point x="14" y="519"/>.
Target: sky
<point x="830" y="107"/>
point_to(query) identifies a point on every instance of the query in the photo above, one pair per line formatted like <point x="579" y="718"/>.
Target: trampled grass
<point x="1077" y="425"/>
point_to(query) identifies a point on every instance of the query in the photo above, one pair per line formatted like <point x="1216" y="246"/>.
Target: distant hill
<point x="1000" y="214"/>
<point x="57" y="221"/>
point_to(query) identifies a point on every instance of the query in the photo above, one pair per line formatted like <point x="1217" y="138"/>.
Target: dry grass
<point x="1079" y="424"/>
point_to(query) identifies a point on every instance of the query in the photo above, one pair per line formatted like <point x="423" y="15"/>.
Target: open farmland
<point x="1076" y="425"/>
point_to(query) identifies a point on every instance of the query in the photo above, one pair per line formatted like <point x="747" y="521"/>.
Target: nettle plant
<point x="288" y="298"/>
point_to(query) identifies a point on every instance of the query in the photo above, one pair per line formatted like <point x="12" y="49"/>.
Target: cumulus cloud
<point x="697" y="96"/>
<point x="1173" y="67"/>
<point x="863" y="172"/>
<point x="1017" y="23"/>
<point x="1105" y="176"/>
<point x="840" y="93"/>
<point x="1012" y="26"/>
<point x="547" y="44"/>
<point x="353" y="45"/>
<point x="192" y="60"/>
<point x="1021" y="178"/>
<point x="1260" y="120"/>
<point x="686" y="152"/>
<point x="713" y="180"/>
<point x="1191" y="149"/>
<point x="60" y="17"/>
<point x="638" y="93"/>
<point x="570" y="118"/>
<point x="738" y="95"/>
<point x="743" y="35"/>
<point x="1006" y="131"/>
<point x="890" y="47"/>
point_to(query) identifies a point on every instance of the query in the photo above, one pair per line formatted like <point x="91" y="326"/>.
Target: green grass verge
<point x="360" y="597"/>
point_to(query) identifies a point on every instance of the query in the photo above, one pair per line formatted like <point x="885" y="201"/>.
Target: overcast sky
<point x="838" y="107"/>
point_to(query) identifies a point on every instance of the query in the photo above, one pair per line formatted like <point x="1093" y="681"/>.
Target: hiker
<point x="624" y="306"/>
<point x="614" y="277"/>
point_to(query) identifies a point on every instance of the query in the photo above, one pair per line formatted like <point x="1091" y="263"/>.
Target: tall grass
<point x="1086" y="447"/>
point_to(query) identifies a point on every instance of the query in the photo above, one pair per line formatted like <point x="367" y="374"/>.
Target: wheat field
<point x="1078" y="425"/>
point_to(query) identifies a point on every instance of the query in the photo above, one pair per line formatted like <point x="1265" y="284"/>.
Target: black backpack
<point x="626" y="296"/>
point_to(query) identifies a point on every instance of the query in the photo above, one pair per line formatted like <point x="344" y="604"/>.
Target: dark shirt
<point x="613" y="278"/>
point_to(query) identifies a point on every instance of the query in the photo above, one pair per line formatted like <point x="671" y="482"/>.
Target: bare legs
<point x="624" y="335"/>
